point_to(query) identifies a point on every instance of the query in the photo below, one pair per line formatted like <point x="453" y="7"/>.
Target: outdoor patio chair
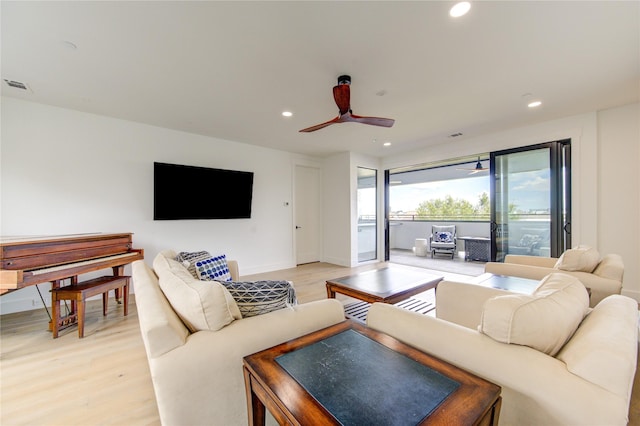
<point x="443" y="239"/>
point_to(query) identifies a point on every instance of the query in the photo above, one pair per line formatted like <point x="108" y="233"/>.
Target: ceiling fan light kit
<point x="342" y="97"/>
<point x="477" y="169"/>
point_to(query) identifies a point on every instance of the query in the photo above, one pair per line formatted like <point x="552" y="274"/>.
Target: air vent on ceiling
<point x="17" y="85"/>
<point x="455" y="135"/>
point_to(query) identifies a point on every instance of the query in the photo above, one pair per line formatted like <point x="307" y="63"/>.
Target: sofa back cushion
<point x="581" y="258"/>
<point x="544" y="320"/>
<point x="202" y="305"/>
<point x="160" y="326"/>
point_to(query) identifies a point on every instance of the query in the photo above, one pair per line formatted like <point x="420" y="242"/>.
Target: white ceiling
<point x="228" y="69"/>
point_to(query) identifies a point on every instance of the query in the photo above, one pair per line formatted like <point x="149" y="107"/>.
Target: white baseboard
<point x="337" y="261"/>
<point x="21" y="305"/>
<point x="265" y="268"/>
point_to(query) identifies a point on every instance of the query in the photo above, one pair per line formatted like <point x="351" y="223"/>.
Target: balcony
<point x="526" y="234"/>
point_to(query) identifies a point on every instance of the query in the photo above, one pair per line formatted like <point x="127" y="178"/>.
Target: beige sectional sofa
<point x="197" y="375"/>
<point x="604" y="280"/>
<point x="550" y="373"/>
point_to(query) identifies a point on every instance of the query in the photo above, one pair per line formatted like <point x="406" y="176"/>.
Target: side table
<point x="477" y="248"/>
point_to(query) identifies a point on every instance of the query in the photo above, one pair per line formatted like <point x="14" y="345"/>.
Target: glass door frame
<point x="560" y="193"/>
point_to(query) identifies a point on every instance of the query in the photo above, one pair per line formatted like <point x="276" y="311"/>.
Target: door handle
<point x="298" y="227"/>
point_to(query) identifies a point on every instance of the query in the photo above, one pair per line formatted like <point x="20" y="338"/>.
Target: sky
<point x="408" y="197"/>
<point x="528" y="191"/>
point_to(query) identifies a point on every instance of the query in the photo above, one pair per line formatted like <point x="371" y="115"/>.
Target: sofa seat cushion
<point x="544" y="320"/>
<point x="581" y="258"/>
<point x="202" y="305"/>
<point x="260" y="297"/>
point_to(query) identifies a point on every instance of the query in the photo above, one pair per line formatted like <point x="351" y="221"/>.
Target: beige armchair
<point x="604" y="280"/>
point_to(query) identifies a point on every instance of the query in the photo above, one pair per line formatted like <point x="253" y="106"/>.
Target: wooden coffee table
<point x="350" y="374"/>
<point x="387" y="285"/>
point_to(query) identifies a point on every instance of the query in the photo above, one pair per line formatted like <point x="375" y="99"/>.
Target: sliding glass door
<point x="530" y="200"/>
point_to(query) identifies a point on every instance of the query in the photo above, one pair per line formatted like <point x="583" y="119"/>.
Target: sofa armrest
<point x="462" y="303"/>
<point x="610" y="267"/>
<point x="520" y="259"/>
<point x="202" y="381"/>
<point x="234" y="270"/>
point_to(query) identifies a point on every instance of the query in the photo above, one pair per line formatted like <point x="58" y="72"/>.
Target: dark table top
<point x="385" y="282"/>
<point x="353" y="375"/>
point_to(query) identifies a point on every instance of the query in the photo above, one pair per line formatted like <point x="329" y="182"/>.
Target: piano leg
<point x="117" y="271"/>
<point x="74" y="304"/>
<point x="55" y="309"/>
<point x="105" y="303"/>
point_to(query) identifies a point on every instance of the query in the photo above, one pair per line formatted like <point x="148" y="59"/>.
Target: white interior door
<point x="307" y="214"/>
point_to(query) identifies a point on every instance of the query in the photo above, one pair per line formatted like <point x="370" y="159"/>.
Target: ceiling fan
<point x="477" y="169"/>
<point x="341" y="94"/>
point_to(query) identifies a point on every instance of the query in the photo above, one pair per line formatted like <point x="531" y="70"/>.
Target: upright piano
<point x="26" y="261"/>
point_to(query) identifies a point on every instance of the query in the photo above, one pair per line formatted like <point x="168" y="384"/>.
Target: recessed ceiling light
<point x="287" y="113"/>
<point x="460" y="9"/>
<point x="534" y="104"/>
<point x="387" y="144"/>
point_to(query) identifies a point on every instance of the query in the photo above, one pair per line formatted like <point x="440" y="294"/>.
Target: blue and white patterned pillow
<point x="259" y="297"/>
<point x="443" y="237"/>
<point x="214" y="268"/>
<point x="203" y="266"/>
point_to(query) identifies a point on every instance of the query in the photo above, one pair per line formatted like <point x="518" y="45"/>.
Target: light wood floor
<point x="104" y="378"/>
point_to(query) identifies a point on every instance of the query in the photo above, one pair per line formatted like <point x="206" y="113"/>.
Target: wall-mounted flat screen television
<point x="190" y="192"/>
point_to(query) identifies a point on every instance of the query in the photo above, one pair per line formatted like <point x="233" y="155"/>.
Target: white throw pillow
<point x="544" y="320"/>
<point x="202" y="305"/>
<point x="581" y="258"/>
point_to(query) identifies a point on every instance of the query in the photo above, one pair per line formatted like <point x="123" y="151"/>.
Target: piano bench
<point x="80" y="292"/>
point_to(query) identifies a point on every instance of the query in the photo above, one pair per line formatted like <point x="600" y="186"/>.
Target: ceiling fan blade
<point x="342" y="96"/>
<point x="374" y="121"/>
<point x="321" y="126"/>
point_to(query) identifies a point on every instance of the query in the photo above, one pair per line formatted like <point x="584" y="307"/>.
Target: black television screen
<point x="190" y="192"/>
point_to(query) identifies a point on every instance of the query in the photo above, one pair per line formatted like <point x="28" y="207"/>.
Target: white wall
<point x="64" y="171"/>
<point x="337" y="209"/>
<point x="619" y="190"/>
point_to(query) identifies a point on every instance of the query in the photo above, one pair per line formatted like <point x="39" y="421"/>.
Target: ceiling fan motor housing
<point x="344" y="79"/>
